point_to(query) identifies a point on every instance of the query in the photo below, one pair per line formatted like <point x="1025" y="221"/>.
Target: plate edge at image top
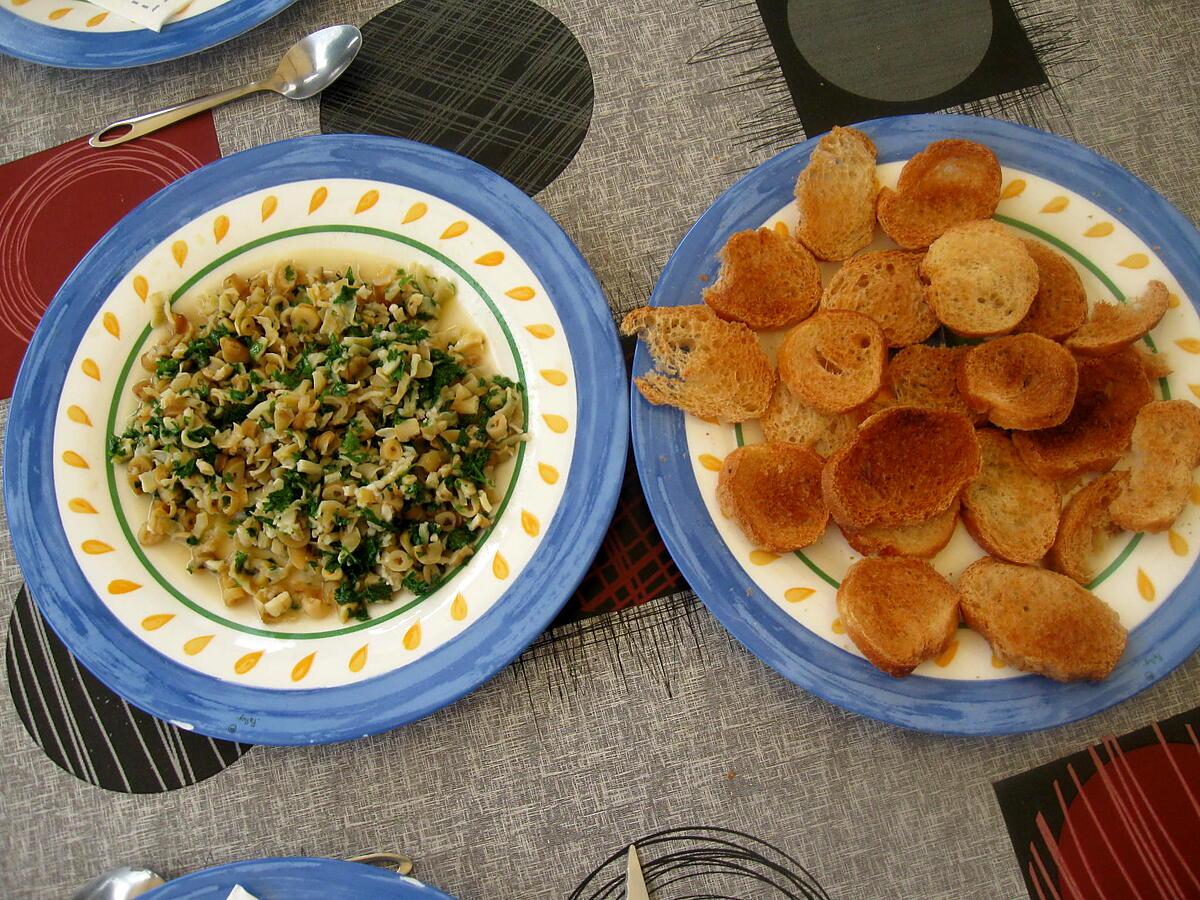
<point x="210" y="705"/>
<point x="1014" y="705"/>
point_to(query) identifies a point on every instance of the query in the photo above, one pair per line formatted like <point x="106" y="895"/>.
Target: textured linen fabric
<point x="617" y="726"/>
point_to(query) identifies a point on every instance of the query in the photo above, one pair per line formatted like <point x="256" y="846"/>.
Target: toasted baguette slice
<point x="1114" y="326"/>
<point x="836" y="195"/>
<point x="1166" y="448"/>
<point x="773" y="492"/>
<point x="833" y="361"/>
<point x="904" y="465"/>
<point x="920" y="539"/>
<point x="947" y="183"/>
<point x="982" y="280"/>
<point x="789" y="420"/>
<point x="885" y="285"/>
<point x="927" y="377"/>
<point x="1040" y="621"/>
<point x="898" y="612"/>
<point x="1156" y="363"/>
<point x="1111" y="391"/>
<point x="1011" y="513"/>
<point x="1084" y="525"/>
<point x="766" y="281"/>
<point x="705" y="366"/>
<point x="1060" y="304"/>
<point x="1023" y="381"/>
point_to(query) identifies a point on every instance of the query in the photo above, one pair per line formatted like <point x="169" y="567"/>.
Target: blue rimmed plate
<point x="1119" y="234"/>
<point x="74" y="35"/>
<point x="297" y="878"/>
<point x="161" y="637"/>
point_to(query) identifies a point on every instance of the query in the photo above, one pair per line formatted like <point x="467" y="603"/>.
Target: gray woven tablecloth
<point x="658" y="718"/>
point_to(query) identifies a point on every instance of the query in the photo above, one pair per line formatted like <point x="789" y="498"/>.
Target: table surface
<point x="619" y="725"/>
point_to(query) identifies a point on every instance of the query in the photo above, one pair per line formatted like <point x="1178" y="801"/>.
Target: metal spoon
<point x="313" y="63"/>
<point x="119" y="884"/>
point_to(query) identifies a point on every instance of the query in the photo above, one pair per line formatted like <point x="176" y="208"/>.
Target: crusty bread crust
<point x="927" y="377"/>
<point x="789" y="420"/>
<point x="1111" y="391"/>
<point x="766" y="281"/>
<point x="703" y="365"/>
<point x="773" y="492"/>
<point x="982" y="280"/>
<point x="885" y="285"/>
<point x="1041" y="621"/>
<point x="923" y="539"/>
<point x="1060" y="304"/>
<point x="1084" y="524"/>
<point x="833" y="361"/>
<point x="898" y="612"/>
<point x="947" y="183"/>
<point x="904" y="465"/>
<point x="1022" y="381"/>
<point x="1011" y="513"/>
<point x="836" y="195"/>
<point x="1114" y="326"/>
<point x="1166" y="448"/>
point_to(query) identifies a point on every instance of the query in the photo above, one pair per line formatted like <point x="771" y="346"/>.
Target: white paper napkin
<point x="147" y="13"/>
<point x="240" y="893"/>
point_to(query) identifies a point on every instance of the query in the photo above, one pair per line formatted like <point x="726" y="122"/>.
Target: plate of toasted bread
<point x="915" y="411"/>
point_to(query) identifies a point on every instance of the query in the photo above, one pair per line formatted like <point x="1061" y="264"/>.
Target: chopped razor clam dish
<point x="319" y="442"/>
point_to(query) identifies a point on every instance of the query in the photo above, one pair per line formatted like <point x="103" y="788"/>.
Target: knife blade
<point x="635" y="884"/>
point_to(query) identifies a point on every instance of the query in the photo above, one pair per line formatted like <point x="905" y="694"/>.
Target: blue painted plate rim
<point x="211" y="706"/>
<point x="1009" y="706"/>
<point x="69" y="49"/>
<point x="329" y="878"/>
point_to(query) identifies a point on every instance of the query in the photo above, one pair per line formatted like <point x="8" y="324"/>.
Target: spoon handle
<point x="145" y="124"/>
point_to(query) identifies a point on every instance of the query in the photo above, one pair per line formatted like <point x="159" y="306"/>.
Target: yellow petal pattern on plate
<point x="247" y="662"/>
<point x="500" y="566"/>
<point x="1135" y="261"/>
<point x="458" y="609"/>
<point x="1013" y="189"/>
<point x="1145" y="586"/>
<point x="269" y="205"/>
<point x="781" y="229"/>
<point x="1191" y="345"/>
<point x="710" y="462"/>
<point x="530" y="523"/>
<point x="179" y="252"/>
<point x="366" y="201"/>
<point x="59" y="13"/>
<point x="220" y="228"/>
<point x="541" y="332"/>
<point x="1056" y="205"/>
<point x="494" y="258"/>
<point x="415" y="212"/>
<point x="1100" y="229"/>
<point x="318" y="197"/>
<point x="524" y="292"/>
<point x="1195" y="389"/>
<point x="359" y="659"/>
<point x="838" y="627"/>
<point x="1173" y="301"/>
<point x="763" y="557"/>
<point x="79" y="505"/>
<point x="300" y="669"/>
<point x="196" y="644"/>
<point x="555" y="377"/>
<point x="795" y="595"/>
<point x="412" y="637"/>
<point x="998" y="663"/>
<point x="140" y="286"/>
<point x="947" y="656"/>
<point x="71" y="458"/>
<point x="96" y="19"/>
<point x="1177" y="542"/>
<point x="158" y="620"/>
<point x="111" y="325"/>
<point x="454" y="230"/>
<point x="90" y="369"/>
<point x="95" y="548"/>
<point x="557" y="424"/>
<point x="550" y="474"/>
<point x="1194" y="493"/>
<point x="121" y="586"/>
<point x="76" y="414"/>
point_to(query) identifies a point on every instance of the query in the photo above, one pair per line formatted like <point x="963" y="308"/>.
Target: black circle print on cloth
<point x="88" y="730"/>
<point x="500" y="81"/>
<point x="705" y="862"/>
